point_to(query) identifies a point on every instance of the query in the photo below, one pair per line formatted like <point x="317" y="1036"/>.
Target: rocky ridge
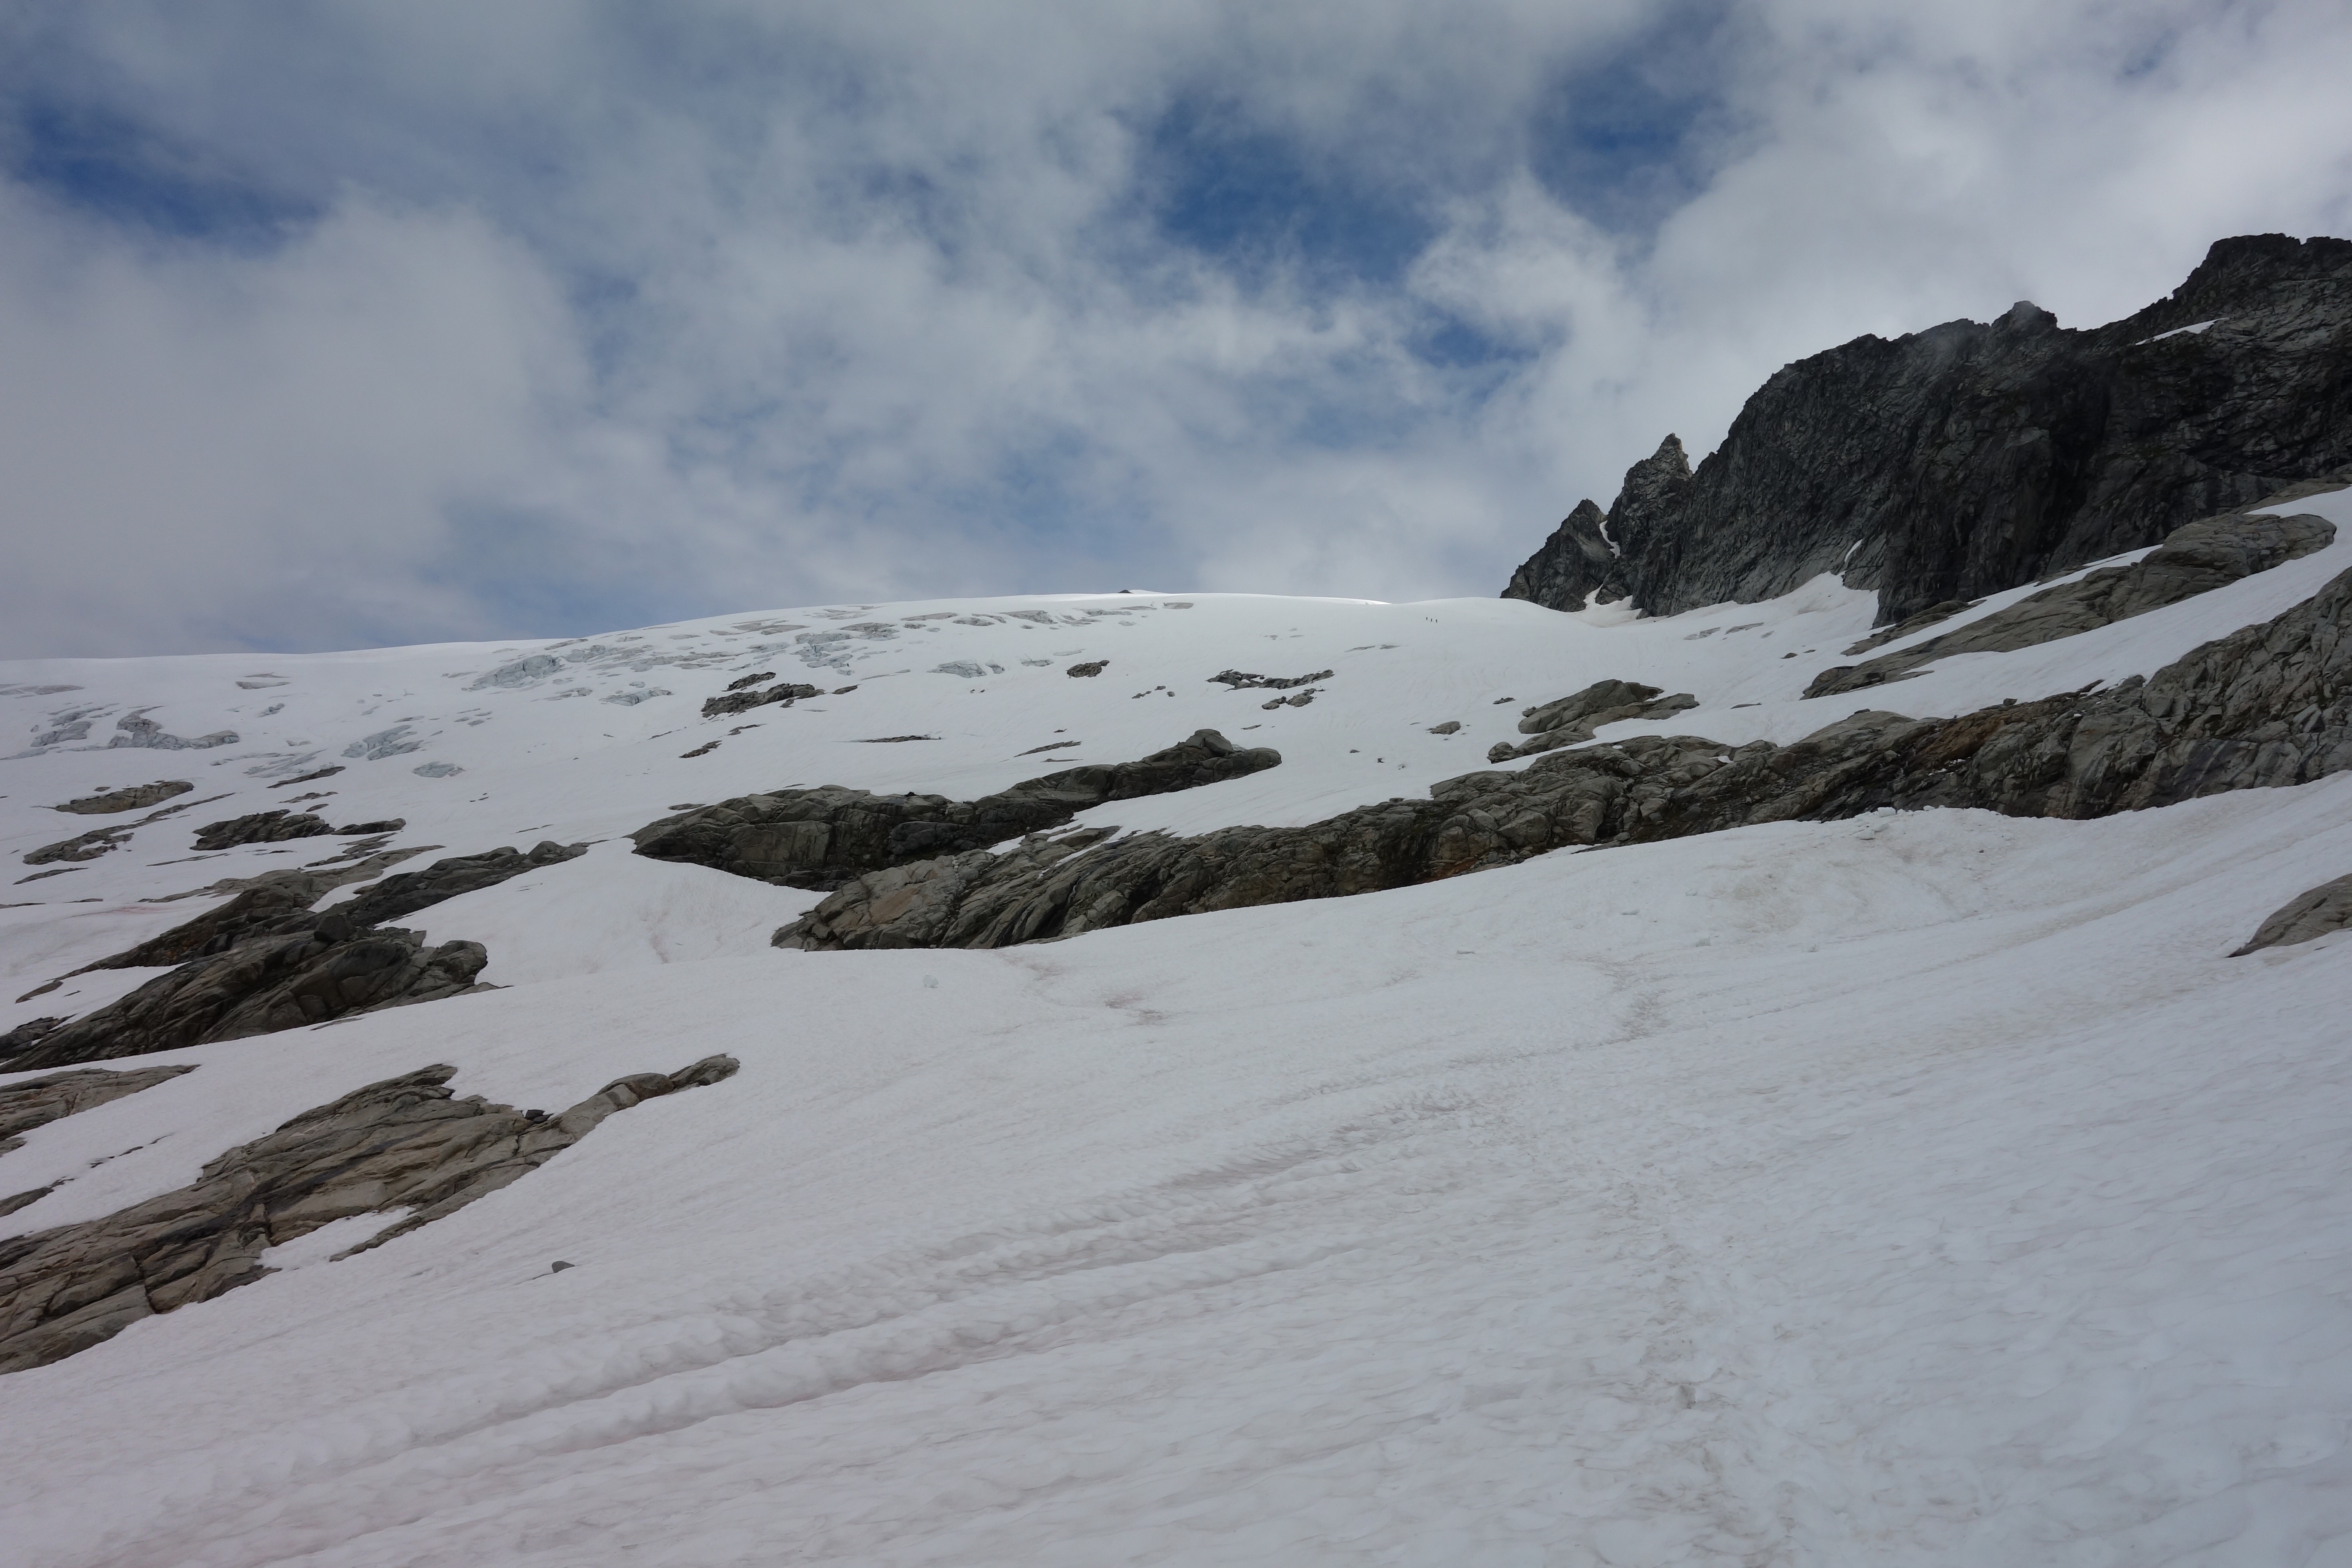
<point x="1974" y="458"/>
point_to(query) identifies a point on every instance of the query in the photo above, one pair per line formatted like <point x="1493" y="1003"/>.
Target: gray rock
<point x="1448" y="728"/>
<point x="1243" y="680"/>
<point x="736" y="699"/>
<point x="30" y="1030"/>
<point x="261" y="984"/>
<point x="260" y="827"/>
<point x="1973" y="457"/>
<point x="2324" y="908"/>
<point x="405" y="1143"/>
<point x="25" y="1106"/>
<point x="127" y="799"/>
<point x="1571" y="720"/>
<point x="81" y="847"/>
<point x="406" y="893"/>
<point x="2268" y="706"/>
<point x="819" y="838"/>
<point x="2204" y="555"/>
<point x="1095" y="667"/>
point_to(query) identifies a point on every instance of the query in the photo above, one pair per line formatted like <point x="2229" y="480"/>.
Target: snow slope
<point x="1929" y="1188"/>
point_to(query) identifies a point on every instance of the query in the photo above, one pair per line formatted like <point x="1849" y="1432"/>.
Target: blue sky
<point x="357" y="323"/>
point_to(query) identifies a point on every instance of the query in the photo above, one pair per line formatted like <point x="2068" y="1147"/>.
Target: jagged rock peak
<point x="1972" y="458"/>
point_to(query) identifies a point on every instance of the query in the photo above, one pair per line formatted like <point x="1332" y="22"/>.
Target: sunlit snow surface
<point x="1928" y="1188"/>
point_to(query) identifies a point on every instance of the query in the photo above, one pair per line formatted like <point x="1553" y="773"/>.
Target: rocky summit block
<point x="2270" y="705"/>
<point x="1977" y="456"/>
<point x="820" y="838"/>
<point x="405" y="1143"/>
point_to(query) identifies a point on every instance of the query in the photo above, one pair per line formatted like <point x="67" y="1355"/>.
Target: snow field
<point x="1956" y="1202"/>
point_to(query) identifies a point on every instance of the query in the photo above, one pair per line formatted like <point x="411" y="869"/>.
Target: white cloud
<point x="611" y="317"/>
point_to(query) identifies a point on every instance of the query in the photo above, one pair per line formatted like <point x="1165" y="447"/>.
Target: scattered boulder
<point x="1095" y="667"/>
<point x="2202" y="556"/>
<point x="820" y="838"/>
<point x="2307" y="916"/>
<point x="129" y="799"/>
<point x="1448" y="728"/>
<point x="403" y="1142"/>
<point x="260" y="827"/>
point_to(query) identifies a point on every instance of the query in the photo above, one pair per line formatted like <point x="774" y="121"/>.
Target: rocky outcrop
<point x="1571" y="566"/>
<point x="260" y="827"/>
<point x="22" y="1037"/>
<point x="25" y="1106"/>
<point x="306" y="970"/>
<point x="738" y="698"/>
<point x="404" y="1143"/>
<point x="820" y="838"/>
<point x="129" y="799"/>
<point x="81" y="847"/>
<point x="1974" y="458"/>
<point x="2305" y="918"/>
<point x="1571" y="720"/>
<point x="2270" y="705"/>
<point x="2203" y="555"/>
<point x="405" y="893"/>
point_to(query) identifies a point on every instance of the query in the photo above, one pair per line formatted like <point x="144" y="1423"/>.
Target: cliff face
<point x="1972" y="458"/>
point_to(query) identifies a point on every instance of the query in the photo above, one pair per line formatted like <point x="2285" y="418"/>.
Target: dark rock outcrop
<point x="1571" y="720"/>
<point x="1243" y="680"/>
<point x="2305" y="918"/>
<point x="81" y="847"/>
<point x="1973" y="457"/>
<point x="281" y="979"/>
<point x="2270" y="705"/>
<point x="819" y="838"/>
<point x="2201" y="556"/>
<point x="736" y="699"/>
<point x="260" y="827"/>
<point x="405" y="893"/>
<point x="130" y="799"/>
<point x="22" y="1037"/>
<point x="1093" y="667"/>
<point x="405" y="1143"/>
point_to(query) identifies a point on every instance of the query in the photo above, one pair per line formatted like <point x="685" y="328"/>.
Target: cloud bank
<point x="363" y="323"/>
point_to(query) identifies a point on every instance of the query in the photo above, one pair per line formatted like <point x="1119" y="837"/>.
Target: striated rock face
<point x="2269" y="705"/>
<point x="820" y="838"/>
<point x="405" y="1143"/>
<point x="2201" y="556"/>
<point x="405" y="893"/>
<point x="25" y="1106"/>
<point x="1972" y="458"/>
<point x="2305" y="918"/>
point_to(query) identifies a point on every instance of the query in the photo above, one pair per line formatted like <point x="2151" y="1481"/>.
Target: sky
<point x="354" y="324"/>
